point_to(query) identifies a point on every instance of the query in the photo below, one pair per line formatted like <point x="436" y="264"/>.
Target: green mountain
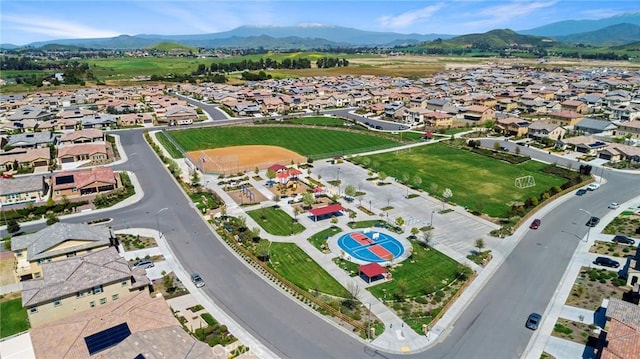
<point x="172" y="47"/>
<point x="499" y="39"/>
<point x="569" y="27"/>
<point x="609" y="36"/>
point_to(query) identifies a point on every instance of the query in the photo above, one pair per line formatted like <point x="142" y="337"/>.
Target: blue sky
<point x="25" y="21"/>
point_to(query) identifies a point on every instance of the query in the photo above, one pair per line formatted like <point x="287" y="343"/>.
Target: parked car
<point x="623" y="239"/>
<point x="593" y="186"/>
<point x="593" y="221"/>
<point x="607" y="262"/>
<point x="143" y="263"/>
<point x="535" y="224"/>
<point x="197" y="280"/>
<point x="7" y="175"/>
<point x="581" y="191"/>
<point x="504" y="148"/>
<point x="614" y="205"/>
<point x="533" y="321"/>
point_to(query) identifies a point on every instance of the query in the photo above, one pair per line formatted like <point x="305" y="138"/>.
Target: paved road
<point x="492" y="326"/>
<point x="373" y="123"/>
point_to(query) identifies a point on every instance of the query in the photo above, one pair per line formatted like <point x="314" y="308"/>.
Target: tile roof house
<point x="512" y="126"/>
<point x="57" y="242"/>
<point x="32" y="140"/>
<point x="619" y="152"/>
<point x="542" y="129"/>
<point x="593" y="126"/>
<point x="30" y="112"/>
<point x="621" y="336"/>
<point x="133" y="119"/>
<point x="73" y="184"/>
<point x="99" y="121"/>
<point x="154" y="332"/>
<point x="565" y="118"/>
<point x="80" y="283"/>
<point x="179" y="114"/>
<point x="93" y="151"/>
<point x="479" y="113"/>
<point x="37" y="158"/>
<point x="82" y="136"/>
<point x="23" y="189"/>
<point x="629" y="128"/>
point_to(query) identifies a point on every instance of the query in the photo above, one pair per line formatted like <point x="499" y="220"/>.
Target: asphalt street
<point x="492" y="326"/>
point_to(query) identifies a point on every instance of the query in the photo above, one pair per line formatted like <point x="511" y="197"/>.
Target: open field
<point x="477" y="182"/>
<point x="296" y="266"/>
<point x="309" y="142"/>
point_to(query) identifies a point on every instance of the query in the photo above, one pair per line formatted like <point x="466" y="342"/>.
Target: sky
<point x="26" y="21"/>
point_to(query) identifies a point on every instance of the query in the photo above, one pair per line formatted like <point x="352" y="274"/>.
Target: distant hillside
<point x="58" y="47"/>
<point x="613" y="35"/>
<point x="569" y="27"/>
<point x="8" y="46"/>
<point x="172" y="47"/>
<point x="495" y="39"/>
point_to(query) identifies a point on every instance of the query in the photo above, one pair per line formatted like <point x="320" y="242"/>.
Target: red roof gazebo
<point x="372" y="270"/>
<point x="321" y="211"/>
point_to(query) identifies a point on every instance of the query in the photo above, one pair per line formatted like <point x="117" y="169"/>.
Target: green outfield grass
<point x="319" y="121"/>
<point x="477" y="182"/>
<point x="168" y="145"/>
<point x="297" y="267"/>
<point x="310" y="142"/>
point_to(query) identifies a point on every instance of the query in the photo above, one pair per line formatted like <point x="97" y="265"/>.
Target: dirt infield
<point x="236" y="159"/>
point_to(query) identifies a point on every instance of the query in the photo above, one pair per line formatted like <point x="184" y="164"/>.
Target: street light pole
<point x="588" y="227"/>
<point x="431" y="223"/>
<point x="158" y="220"/>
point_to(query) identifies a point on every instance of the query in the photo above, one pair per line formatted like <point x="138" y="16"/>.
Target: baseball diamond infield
<point x="236" y="159"/>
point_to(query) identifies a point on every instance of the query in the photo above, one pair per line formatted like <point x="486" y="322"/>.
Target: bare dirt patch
<point x="612" y="249"/>
<point x="243" y="198"/>
<point x="593" y="285"/>
<point x="238" y="159"/>
<point x="576" y="332"/>
<point x="7" y="266"/>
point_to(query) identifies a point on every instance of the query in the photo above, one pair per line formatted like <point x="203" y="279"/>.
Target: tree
<point x="401" y="289"/>
<point x="434" y="188"/>
<point x="353" y="215"/>
<point x="399" y="221"/>
<point x="354" y="294"/>
<point x="381" y="177"/>
<point x="417" y="181"/>
<point x="517" y="150"/>
<point x="427" y="236"/>
<point x="496" y="145"/>
<point x="414" y="232"/>
<point x="480" y="244"/>
<point x="446" y="194"/>
<point x="51" y="219"/>
<point x="308" y="199"/>
<point x="195" y="178"/>
<point x="405" y="178"/>
<point x="262" y="250"/>
<point x="271" y="174"/>
<point x="350" y="191"/>
<point x="13" y="226"/>
<point x="255" y="233"/>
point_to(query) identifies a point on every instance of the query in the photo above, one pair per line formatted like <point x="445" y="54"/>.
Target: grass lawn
<point x="13" y="318"/>
<point x="168" y="145"/>
<point x="477" y="182"/>
<point x="365" y="224"/>
<point x="310" y="142"/>
<point x="431" y="270"/>
<point x="296" y="266"/>
<point x="319" y="121"/>
<point x="275" y="221"/>
<point x="320" y="238"/>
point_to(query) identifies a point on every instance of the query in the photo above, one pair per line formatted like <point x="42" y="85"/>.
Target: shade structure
<point x="372" y="270"/>
<point x="323" y="211"/>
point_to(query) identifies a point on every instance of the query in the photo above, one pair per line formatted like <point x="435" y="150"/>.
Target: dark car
<point x="581" y="191"/>
<point x="607" y="262"/>
<point x="623" y="239"/>
<point x="593" y="221"/>
<point x="535" y="224"/>
<point x="533" y="321"/>
<point x="143" y="263"/>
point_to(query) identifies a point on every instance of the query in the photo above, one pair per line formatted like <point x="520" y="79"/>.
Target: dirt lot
<point x="7" y="263"/>
<point x="592" y="286"/>
<point x="241" y="198"/>
<point x="237" y="159"/>
<point x="612" y="249"/>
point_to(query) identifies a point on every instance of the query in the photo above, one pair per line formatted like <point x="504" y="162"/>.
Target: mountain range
<point x="616" y="30"/>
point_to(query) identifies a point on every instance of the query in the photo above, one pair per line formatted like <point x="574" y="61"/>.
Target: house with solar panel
<point x="80" y="283"/>
<point x="57" y="242"/>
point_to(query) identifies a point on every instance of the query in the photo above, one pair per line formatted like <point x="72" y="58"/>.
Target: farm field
<point x="309" y="142"/>
<point x="477" y="182"/>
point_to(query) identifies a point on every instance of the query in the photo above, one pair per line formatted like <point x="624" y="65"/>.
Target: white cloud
<point x="601" y="13"/>
<point x="54" y="27"/>
<point x="504" y="15"/>
<point x="410" y="17"/>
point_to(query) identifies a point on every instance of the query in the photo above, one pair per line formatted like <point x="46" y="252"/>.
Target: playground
<point x="245" y="195"/>
<point x="370" y="246"/>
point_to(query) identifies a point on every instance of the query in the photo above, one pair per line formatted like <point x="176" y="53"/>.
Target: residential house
<point x="437" y="104"/>
<point x="19" y="158"/>
<point x="478" y="113"/>
<point x="415" y="115"/>
<point x="82" y="136"/>
<point x="271" y="105"/>
<point x="621" y="335"/>
<point x="135" y="119"/>
<point x="565" y="118"/>
<point x="32" y="140"/>
<point x="593" y="126"/>
<point x="512" y="126"/>
<point x="541" y="129"/>
<point x="94" y="151"/>
<point x="616" y="152"/>
<point x="55" y="243"/>
<point x="623" y="113"/>
<point x="585" y="144"/>
<point x="99" y="121"/>
<point x="80" y="283"/>
<point x="73" y="184"/>
<point x="76" y="113"/>
<point x="390" y="109"/>
<point x="438" y="119"/>
<point x="574" y="106"/>
<point x="150" y="327"/>
<point x="23" y="189"/>
<point x="630" y="129"/>
<point x="177" y="115"/>
<point x="30" y="112"/>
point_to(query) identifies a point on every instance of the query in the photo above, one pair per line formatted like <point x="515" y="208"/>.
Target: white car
<point x="593" y="186"/>
<point x="614" y="205"/>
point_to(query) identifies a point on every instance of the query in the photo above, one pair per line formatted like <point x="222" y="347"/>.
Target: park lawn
<point x="168" y="145"/>
<point x="477" y="182"/>
<point x="320" y="238"/>
<point x="296" y="266"/>
<point x="306" y="141"/>
<point x="319" y="121"/>
<point x="13" y="317"/>
<point x="365" y="224"/>
<point x="430" y="271"/>
<point x="276" y="221"/>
